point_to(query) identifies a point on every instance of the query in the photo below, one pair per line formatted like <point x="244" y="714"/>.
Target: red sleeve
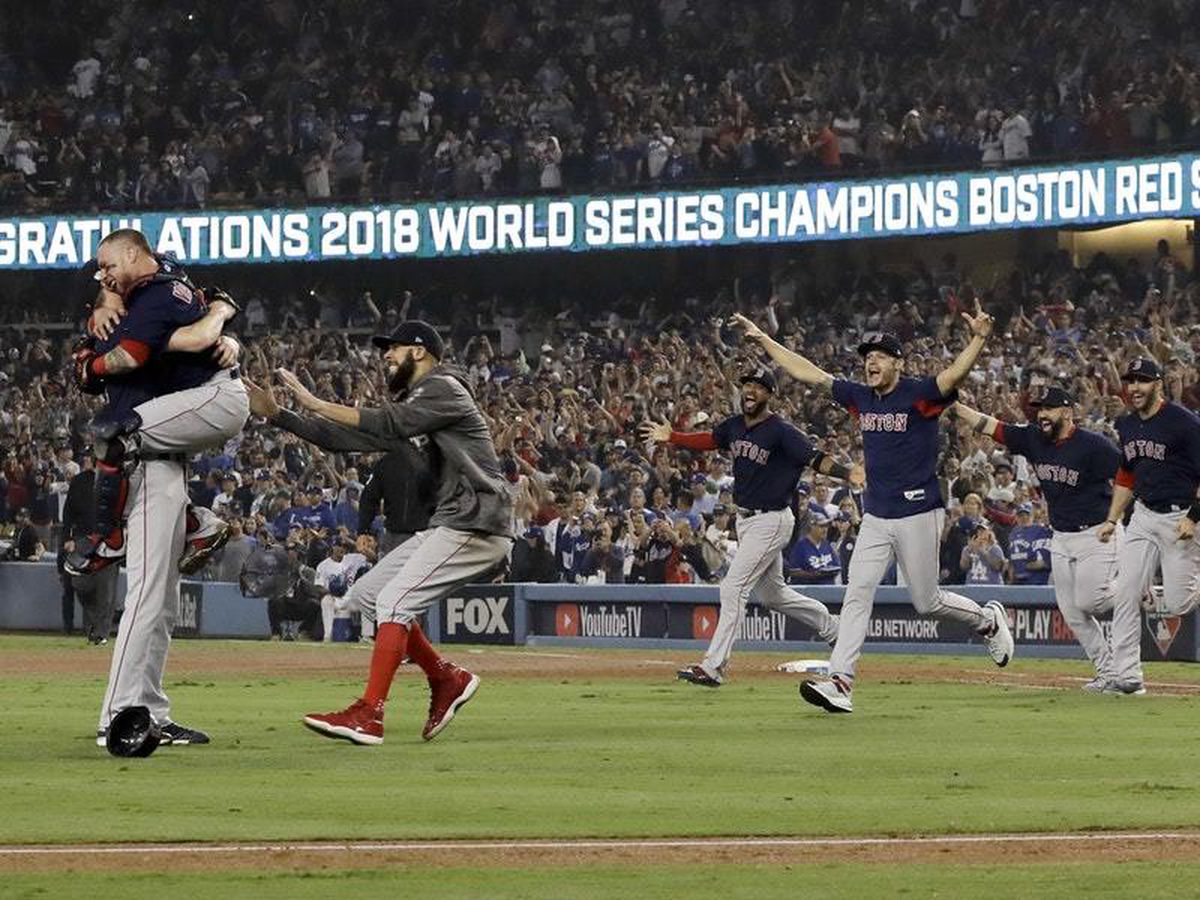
<point x="1124" y="478"/>
<point x="998" y="433"/>
<point x="138" y="350"/>
<point x="694" y="440"/>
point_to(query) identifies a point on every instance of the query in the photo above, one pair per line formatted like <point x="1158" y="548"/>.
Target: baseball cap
<point x="263" y="475"/>
<point x="533" y="531"/>
<point x="720" y="509"/>
<point x="1050" y="395"/>
<point x="412" y="333"/>
<point x="1025" y="508"/>
<point x="619" y="444"/>
<point x="883" y="341"/>
<point x="1142" y="368"/>
<point x="699" y="478"/>
<point x="314" y="489"/>
<point x="817" y="518"/>
<point x="762" y="376"/>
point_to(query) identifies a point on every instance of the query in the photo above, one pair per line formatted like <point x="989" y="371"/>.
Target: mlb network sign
<point x="478" y="614"/>
<point x="1035" y="197"/>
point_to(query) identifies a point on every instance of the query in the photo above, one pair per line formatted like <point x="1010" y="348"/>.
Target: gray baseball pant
<point x="422" y="570"/>
<point x="913" y="541"/>
<point x="178" y="423"/>
<point x="1084" y="571"/>
<point x="758" y="566"/>
<point x="1150" y="540"/>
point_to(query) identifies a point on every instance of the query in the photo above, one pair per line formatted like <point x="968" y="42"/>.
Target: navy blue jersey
<point x="767" y="460"/>
<point x="1026" y="544"/>
<point x="900" y="443"/>
<point x="1075" y="473"/>
<point x="1161" y="455"/>
<point x="155" y="309"/>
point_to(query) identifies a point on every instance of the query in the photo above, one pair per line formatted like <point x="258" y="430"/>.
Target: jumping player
<point x="469" y="533"/>
<point x="1160" y="466"/>
<point x="903" y="512"/>
<point x="205" y="532"/>
<point x="768" y="456"/>
<point x="161" y="407"/>
<point x="1075" y="468"/>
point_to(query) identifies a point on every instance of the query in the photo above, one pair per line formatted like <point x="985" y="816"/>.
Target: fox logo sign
<point x="481" y="617"/>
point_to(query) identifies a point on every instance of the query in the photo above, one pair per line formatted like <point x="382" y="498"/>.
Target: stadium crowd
<point x="565" y="388"/>
<point x="143" y="106"/>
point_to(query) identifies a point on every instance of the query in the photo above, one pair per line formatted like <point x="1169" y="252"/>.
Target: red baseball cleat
<point x="448" y="692"/>
<point x="209" y="537"/>
<point x="360" y="722"/>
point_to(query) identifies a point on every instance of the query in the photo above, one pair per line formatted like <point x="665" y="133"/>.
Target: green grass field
<point x="590" y="756"/>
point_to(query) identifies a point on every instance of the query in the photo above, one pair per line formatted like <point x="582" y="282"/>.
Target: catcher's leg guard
<point x="117" y="456"/>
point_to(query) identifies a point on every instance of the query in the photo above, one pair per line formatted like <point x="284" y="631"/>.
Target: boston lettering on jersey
<point x="767" y="460"/>
<point x="900" y="443"/>
<point x="1075" y="473"/>
<point x="751" y="451"/>
<point x="1161" y="455"/>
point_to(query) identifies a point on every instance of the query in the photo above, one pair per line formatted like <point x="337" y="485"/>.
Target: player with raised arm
<point x="1160" y="467"/>
<point x="903" y="513"/>
<point x="768" y="456"/>
<point x="1075" y="468"/>
<point x="468" y="535"/>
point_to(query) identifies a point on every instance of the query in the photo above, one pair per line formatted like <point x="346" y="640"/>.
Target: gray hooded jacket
<point x="472" y="492"/>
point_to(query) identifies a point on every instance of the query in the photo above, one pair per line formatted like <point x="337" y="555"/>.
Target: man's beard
<point x="398" y="383"/>
<point x="1053" y="430"/>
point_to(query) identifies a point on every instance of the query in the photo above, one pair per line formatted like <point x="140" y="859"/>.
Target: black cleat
<point x="174" y="733"/>
<point x="697" y="675"/>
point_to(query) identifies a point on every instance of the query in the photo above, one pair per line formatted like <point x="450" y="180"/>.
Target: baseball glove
<point x="82" y="356"/>
<point x="215" y="294"/>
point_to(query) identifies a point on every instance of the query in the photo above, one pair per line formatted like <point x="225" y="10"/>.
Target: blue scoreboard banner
<point x="1036" y="197"/>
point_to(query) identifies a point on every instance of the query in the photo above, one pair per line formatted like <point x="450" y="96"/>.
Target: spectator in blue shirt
<point x="345" y="513"/>
<point x="1029" y="548"/>
<point x="812" y="559"/>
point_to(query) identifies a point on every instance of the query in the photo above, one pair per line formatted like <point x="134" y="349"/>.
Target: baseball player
<point x="768" y="456"/>
<point x="903" y="513"/>
<point x="205" y="532"/>
<point x="1159" y="442"/>
<point x="1075" y="468"/>
<point x="161" y="406"/>
<point x="469" y="533"/>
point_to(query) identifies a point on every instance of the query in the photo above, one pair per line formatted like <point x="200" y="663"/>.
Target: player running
<point x="768" y="456"/>
<point x="1075" y="468"/>
<point x="1160" y="446"/>
<point x="469" y="533"/>
<point x="903" y="513"/>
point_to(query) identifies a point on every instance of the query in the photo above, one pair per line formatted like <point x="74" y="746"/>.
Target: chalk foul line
<point x="594" y="844"/>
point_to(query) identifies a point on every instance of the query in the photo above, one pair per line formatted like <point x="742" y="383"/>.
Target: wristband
<point x="1110" y="521"/>
<point x="1194" y="512"/>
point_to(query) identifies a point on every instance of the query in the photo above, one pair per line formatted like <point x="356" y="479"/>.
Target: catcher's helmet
<point x="132" y="732"/>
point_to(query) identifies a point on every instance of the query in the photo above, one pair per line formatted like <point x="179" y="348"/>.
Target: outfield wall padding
<point x="631" y="616"/>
